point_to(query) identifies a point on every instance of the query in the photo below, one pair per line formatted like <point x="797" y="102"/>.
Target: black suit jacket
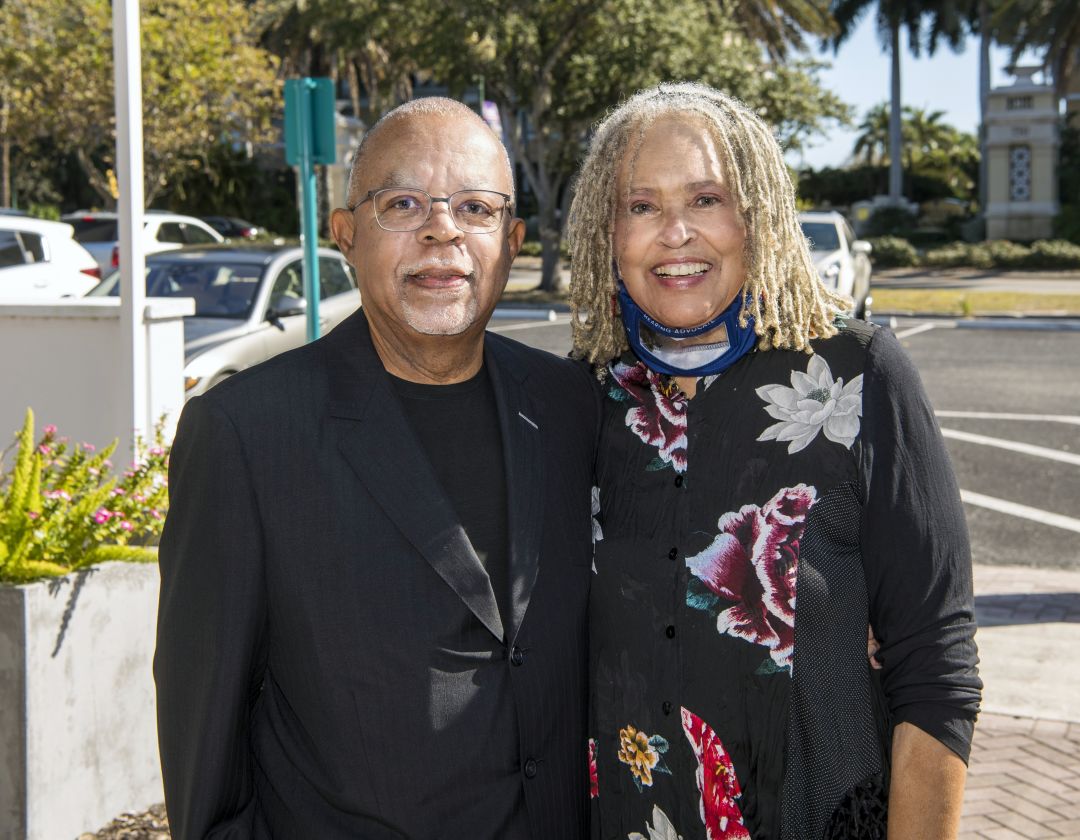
<point x="331" y="660"/>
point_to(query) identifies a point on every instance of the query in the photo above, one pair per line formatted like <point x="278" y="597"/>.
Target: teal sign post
<point x="309" y="139"/>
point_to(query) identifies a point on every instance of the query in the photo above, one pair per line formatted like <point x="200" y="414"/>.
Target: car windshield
<point x="91" y="229"/>
<point x="822" y="235"/>
<point x="220" y="290"/>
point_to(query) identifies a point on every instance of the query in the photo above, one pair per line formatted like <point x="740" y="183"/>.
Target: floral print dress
<point x="745" y="538"/>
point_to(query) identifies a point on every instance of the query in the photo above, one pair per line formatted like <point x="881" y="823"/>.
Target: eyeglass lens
<point x="474" y="211"/>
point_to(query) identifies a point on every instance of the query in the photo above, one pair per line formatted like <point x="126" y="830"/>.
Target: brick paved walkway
<point x="1024" y="776"/>
<point x="1023" y="781"/>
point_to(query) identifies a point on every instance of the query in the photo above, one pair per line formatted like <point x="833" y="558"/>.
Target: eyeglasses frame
<point x="431" y="206"/>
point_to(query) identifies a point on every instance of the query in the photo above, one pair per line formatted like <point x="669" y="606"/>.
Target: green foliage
<point x="959" y="254"/>
<point x="1067" y="224"/>
<point x="892" y="252"/>
<point x="1054" y="254"/>
<point x="62" y="509"/>
<point x="1005" y="254"/>
<point x="891" y="221"/>
<point x="202" y="79"/>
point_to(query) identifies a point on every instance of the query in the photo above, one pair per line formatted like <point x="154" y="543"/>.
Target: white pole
<point x="127" y="55"/>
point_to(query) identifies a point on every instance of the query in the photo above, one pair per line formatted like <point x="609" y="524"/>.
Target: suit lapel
<point x="375" y="438"/>
<point x="521" y="435"/>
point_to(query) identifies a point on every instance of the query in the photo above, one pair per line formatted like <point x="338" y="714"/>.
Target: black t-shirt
<point x="458" y="427"/>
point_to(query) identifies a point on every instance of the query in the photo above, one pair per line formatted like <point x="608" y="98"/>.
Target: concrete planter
<point x="78" y="738"/>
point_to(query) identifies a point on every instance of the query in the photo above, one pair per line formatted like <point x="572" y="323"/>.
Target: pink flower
<point x="107" y="464"/>
<point x="127" y="526"/>
<point x="118" y="491"/>
<point x="716" y="781"/>
<point x="49" y="430"/>
<point x="101" y="516"/>
<point x="32" y="514"/>
<point x="89" y="447"/>
<point x="659" y="420"/>
<point x="93" y="471"/>
<point x="753" y="562"/>
<point x="44" y="450"/>
<point x="594" y="784"/>
<point x="154" y="512"/>
<point x="155" y="452"/>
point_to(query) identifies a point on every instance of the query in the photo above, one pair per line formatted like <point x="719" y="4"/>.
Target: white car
<point x="97" y="232"/>
<point x="249" y="303"/>
<point x="842" y="261"/>
<point x="39" y="260"/>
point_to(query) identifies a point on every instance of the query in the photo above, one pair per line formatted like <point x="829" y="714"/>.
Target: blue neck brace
<point x="741" y="340"/>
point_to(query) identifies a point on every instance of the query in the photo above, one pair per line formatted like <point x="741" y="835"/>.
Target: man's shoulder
<point x="538" y="364"/>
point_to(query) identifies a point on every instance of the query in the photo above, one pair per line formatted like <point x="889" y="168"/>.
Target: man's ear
<point x="343" y="228"/>
<point x="515" y="236"/>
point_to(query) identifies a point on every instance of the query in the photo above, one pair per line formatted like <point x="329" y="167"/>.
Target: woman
<point x="757" y="444"/>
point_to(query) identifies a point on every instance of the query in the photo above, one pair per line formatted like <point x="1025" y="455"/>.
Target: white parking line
<point x="531" y="326"/>
<point x="1043" y="517"/>
<point x="1009" y="415"/>
<point x="1014" y="446"/>
<point x="921" y="329"/>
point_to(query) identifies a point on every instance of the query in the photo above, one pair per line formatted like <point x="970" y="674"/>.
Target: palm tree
<point x="872" y="144"/>
<point x="779" y="25"/>
<point x="1052" y="26"/>
<point x="946" y="21"/>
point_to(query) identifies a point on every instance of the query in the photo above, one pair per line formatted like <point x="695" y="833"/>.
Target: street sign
<point x="310" y="139"/>
<point x="318" y="111"/>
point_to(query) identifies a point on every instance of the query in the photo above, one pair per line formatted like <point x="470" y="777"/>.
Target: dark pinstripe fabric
<point x="331" y="661"/>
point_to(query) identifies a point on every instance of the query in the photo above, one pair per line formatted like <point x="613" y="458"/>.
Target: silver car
<point x="249" y="303"/>
<point x="842" y="261"/>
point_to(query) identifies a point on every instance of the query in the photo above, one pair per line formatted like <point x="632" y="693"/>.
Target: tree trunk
<point x="98" y="182"/>
<point x="896" y="174"/>
<point x="5" y="172"/>
<point x="984" y="97"/>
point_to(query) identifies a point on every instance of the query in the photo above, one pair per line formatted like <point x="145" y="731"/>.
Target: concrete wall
<point x="78" y="742"/>
<point x="62" y="360"/>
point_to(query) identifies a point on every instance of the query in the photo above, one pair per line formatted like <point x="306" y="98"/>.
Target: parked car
<point x="98" y="233"/>
<point x="842" y="261"/>
<point x="249" y="303"/>
<point x="39" y="260"/>
<point x="231" y="227"/>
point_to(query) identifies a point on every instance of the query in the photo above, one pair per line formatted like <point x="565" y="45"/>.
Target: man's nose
<point x="440" y="224"/>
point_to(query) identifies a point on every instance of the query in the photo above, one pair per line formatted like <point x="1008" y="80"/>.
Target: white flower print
<point x="597" y="531"/>
<point x="661" y="828"/>
<point x="813" y="403"/>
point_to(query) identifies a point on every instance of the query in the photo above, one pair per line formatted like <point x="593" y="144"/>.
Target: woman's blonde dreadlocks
<point x="782" y="291"/>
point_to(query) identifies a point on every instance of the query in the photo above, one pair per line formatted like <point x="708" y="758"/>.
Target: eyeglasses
<point x="402" y="209"/>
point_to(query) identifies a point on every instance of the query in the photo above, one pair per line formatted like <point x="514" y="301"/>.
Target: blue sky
<point x="859" y="75"/>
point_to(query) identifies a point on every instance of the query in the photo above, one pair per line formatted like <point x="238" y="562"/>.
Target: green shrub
<point x="529" y="248"/>
<point x="1053" y="254"/>
<point x="892" y="252"/>
<point x="1067" y="223"/>
<point x="1006" y="254"/>
<point x="891" y="221"/>
<point x="953" y="255"/>
<point x="61" y="508"/>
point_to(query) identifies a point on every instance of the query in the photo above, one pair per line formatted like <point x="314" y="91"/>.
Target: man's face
<point x="436" y="280"/>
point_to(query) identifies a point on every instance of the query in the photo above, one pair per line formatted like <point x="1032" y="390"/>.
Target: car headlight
<point x="831" y="274"/>
<point x="190" y="382"/>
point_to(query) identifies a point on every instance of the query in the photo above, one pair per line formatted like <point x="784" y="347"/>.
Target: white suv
<point x="842" y="261"/>
<point x="97" y="232"/>
<point x="39" y="260"/>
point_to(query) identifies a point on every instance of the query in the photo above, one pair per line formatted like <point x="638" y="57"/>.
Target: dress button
<point x="530" y="768"/>
<point x="670" y="631"/>
<point x="517" y="656"/>
<point x="673" y="553"/>
<point x="666" y="707"/>
<point x="678" y="481"/>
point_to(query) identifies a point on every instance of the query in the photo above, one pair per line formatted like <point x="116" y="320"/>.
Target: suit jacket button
<point x="517" y="656"/>
<point x="530" y="768"/>
<point x="666" y="707"/>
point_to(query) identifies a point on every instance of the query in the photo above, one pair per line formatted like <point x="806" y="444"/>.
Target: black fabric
<point x="450" y="421"/>
<point x="331" y="662"/>
<point x="821" y="476"/>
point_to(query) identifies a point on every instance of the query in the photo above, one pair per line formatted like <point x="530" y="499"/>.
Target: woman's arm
<point x="927" y="789"/>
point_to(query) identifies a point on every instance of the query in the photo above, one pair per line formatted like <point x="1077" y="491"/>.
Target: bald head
<point x="395" y="123"/>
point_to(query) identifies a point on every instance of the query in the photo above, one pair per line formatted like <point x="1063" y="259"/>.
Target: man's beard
<point x="452" y="318"/>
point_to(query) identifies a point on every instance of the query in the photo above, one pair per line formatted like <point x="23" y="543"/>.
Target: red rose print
<point x="657" y="419"/>
<point x="716" y="781"/>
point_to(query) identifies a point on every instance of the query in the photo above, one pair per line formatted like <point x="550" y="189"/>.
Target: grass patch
<point x="961" y="303"/>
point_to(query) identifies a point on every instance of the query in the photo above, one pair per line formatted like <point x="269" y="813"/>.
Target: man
<point x="376" y="561"/>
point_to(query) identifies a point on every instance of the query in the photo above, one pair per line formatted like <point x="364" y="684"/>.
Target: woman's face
<point x="678" y="236"/>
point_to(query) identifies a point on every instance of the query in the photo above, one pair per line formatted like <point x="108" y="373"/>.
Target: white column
<point x="127" y="55"/>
